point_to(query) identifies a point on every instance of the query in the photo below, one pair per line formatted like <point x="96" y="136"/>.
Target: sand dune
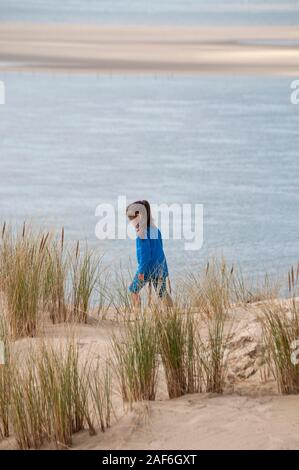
<point x="205" y="422"/>
<point x="249" y="415"/>
<point x="128" y="50"/>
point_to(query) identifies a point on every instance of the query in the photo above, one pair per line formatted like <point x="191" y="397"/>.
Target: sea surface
<point x="70" y="143"/>
<point x="179" y="12"/>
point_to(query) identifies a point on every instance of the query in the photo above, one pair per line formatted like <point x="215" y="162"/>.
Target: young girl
<point x="152" y="265"/>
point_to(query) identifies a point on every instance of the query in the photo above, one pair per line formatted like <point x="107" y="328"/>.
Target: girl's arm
<point x="144" y="258"/>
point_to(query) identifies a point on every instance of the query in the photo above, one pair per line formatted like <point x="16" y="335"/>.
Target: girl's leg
<point x="135" y="287"/>
<point x="136" y="301"/>
<point x="149" y="303"/>
<point x="167" y="300"/>
<point x="160" y="288"/>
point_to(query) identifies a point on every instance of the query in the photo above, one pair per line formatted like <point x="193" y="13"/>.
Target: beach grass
<point x="41" y="274"/>
<point x="55" y="395"/>
<point x="214" y="352"/>
<point x="178" y="347"/>
<point x="56" y="269"/>
<point x="21" y="265"/>
<point x="135" y="359"/>
<point x="210" y="288"/>
<point x="85" y="269"/>
<point x="281" y="337"/>
<point x="281" y="333"/>
<point x="51" y="393"/>
<point x="5" y="380"/>
<point x="218" y="286"/>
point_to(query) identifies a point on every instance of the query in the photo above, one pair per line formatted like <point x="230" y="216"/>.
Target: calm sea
<point x="184" y="12"/>
<point x="69" y="143"/>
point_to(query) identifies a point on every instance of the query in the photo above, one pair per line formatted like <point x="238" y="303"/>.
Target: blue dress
<point x="151" y="261"/>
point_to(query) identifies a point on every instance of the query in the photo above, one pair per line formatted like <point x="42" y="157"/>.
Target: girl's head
<point x="141" y="211"/>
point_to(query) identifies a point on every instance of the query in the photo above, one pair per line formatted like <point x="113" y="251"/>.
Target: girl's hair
<point x="134" y="211"/>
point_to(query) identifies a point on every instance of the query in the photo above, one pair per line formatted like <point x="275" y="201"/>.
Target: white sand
<point x="249" y="415"/>
<point x="103" y="49"/>
<point x="203" y="422"/>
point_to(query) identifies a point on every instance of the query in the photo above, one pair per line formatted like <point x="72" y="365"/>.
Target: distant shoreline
<point x="161" y="50"/>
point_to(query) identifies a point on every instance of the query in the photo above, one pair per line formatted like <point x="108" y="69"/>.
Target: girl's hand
<point x="141" y="277"/>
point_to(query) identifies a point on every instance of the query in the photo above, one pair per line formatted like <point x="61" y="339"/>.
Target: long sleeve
<point x="143" y="255"/>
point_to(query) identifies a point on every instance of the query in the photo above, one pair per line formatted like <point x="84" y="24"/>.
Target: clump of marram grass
<point x="245" y="291"/>
<point x="280" y="335"/>
<point x="100" y="390"/>
<point x="280" y="324"/>
<point x="39" y="275"/>
<point x="21" y="267"/>
<point x="65" y="387"/>
<point x="135" y="359"/>
<point x="193" y="352"/>
<point x="56" y="267"/>
<point x="5" y="379"/>
<point x="54" y="395"/>
<point x="216" y="298"/>
<point x="85" y="277"/>
<point x="211" y="294"/>
<point x="219" y="286"/>
<point x="210" y="290"/>
<point x="28" y="412"/>
<point x="179" y="349"/>
<point x="42" y="399"/>
<point x="48" y="394"/>
<point x="214" y="351"/>
<point x="293" y="282"/>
